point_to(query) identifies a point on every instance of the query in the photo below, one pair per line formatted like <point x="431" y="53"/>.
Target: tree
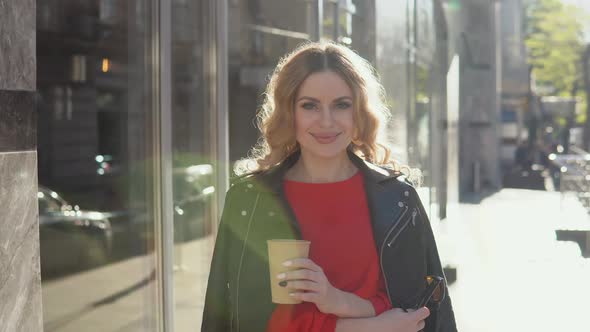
<point x="555" y="43"/>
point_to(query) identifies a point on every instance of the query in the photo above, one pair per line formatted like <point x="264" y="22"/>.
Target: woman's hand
<point x="397" y="320"/>
<point x="310" y="284"/>
<point x="394" y="320"/>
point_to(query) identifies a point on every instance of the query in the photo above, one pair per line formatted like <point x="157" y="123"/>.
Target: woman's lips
<point x="325" y="138"/>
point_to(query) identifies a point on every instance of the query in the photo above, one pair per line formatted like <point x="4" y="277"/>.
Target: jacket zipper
<point x="383" y="247"/>
<point x="240" y="265"/>
<point x="413" y="220"/>
<point x="231" y="314"/>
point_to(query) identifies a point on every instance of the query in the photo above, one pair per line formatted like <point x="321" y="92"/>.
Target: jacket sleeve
<point x="216" y="312"/>
<point x="443" y="319"/>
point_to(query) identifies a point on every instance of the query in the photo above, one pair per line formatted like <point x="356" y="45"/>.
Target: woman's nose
<point x="326" y="119"/>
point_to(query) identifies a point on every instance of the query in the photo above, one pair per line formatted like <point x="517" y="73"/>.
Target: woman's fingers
<point x="304" y="263"/>
<point x="419" y="316"/>
<point x="421" y="313"/>
<point x="398" y="320"/>
<point x="304" y="285"/>
<point x="305" y="297"/>
<point x="299" y="274"/>
<point x="310" y="284"/>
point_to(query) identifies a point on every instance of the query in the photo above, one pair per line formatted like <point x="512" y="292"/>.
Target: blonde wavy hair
<point x="275" y="119"/>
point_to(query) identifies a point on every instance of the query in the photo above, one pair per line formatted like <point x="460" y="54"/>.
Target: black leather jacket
<point x="238" y="294"/>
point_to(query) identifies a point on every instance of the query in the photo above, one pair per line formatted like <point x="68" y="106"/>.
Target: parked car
<point x="71" y="238"/>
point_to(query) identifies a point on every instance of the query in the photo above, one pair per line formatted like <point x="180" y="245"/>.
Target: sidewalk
<point x="120" y="297"/>
<point x="512" y="274"/>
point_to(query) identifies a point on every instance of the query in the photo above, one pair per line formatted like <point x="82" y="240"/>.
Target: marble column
<point x="20" y="281"/>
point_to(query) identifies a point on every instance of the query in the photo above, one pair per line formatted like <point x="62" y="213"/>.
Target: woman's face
<point x="323" y="115"/>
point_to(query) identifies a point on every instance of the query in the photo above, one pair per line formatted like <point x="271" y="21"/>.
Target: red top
<point x="335" y="218"/>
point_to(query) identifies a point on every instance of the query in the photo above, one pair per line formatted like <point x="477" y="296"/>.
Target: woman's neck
<point x="313" y="169"/>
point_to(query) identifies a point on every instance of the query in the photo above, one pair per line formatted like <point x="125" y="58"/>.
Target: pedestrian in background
<point x="322" y="172"/>
<point x="522" y="156"/>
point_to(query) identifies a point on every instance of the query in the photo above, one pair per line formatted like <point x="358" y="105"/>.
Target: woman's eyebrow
<point x="310" y="98"/>
<point x="317" y="100"/>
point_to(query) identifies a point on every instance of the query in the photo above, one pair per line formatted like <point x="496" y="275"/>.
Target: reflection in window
<point x="193" y="149"/>
<point x="338" y="20"/>
<point x="47" y="203"/>
<point x="260" y="32"/>
<point x="422" y="102"/>
<point x="93" y="137"/>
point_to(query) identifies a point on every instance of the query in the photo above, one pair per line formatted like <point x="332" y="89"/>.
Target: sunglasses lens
<point x="438" y="294"/>
<point x="439" y="291"/>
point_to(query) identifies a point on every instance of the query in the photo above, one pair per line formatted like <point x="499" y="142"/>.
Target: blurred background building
<point x="120" y="122"/>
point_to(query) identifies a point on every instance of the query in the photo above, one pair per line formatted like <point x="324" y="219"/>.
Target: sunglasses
<point x="434" y="292"/>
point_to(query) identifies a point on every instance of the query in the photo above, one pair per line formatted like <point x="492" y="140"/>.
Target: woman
<point x="314" y="176"/>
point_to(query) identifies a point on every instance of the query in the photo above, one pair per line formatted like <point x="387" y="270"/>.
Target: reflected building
<point x="411" y="58"/>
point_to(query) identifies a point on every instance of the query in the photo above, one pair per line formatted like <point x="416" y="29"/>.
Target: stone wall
<point x="20" y="282"/>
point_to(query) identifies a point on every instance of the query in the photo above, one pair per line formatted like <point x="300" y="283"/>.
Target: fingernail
<point x="281" y="276"/>
<point x="283" y="283"/>
<point x="287" y="263"/>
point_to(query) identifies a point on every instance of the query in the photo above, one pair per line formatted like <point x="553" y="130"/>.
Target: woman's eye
<point x="343" y="106"/>
<point x="308" y="106"/>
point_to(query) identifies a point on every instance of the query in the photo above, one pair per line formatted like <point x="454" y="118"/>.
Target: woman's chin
<point x="324" y="153"/>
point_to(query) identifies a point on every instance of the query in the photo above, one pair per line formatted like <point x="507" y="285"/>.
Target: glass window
<point x="47" y="203"/>
<point x="392" y="65"/>
<point x="411" y="21"/>
<point x="425" y="30"/>
<point x="194" y="75"/>
<point x="260" y="33"/>
<point x="330" y="24"/>
<point x="339" y="20"/>
<point x="405" y="42"/>
<point x="421" y="130"/>
<point x="95" y="150"/>
<point x="423" y="85"/>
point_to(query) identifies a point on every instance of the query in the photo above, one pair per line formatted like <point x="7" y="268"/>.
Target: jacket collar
<point x="272" y="179"/>
<point x="376" y="180"/>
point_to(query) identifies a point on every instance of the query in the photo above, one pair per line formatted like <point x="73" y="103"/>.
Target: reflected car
<point x="193" y="196"/>
<point x="193" y="193"/>
<point x="71" y="238"/>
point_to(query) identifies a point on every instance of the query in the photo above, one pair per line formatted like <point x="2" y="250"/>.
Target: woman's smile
<point x="325" y="138"/>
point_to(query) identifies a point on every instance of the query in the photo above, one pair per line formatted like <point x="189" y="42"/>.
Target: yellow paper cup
<point x="280" y="251"/>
